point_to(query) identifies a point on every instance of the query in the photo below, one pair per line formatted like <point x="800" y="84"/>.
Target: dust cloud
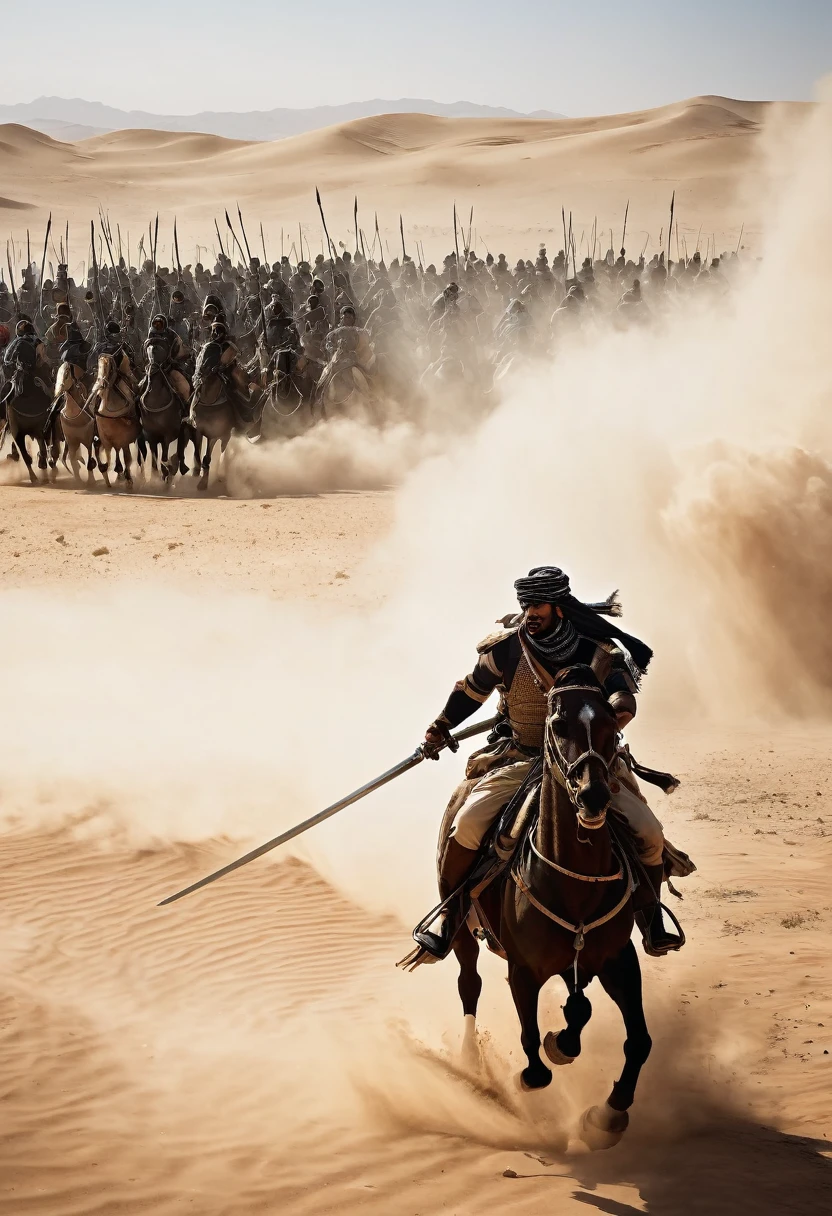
<point x="686" y="463"/>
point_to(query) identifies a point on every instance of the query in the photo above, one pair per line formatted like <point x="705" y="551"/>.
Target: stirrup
<point x="672" y="942"/>
<point x="439" y="945"/>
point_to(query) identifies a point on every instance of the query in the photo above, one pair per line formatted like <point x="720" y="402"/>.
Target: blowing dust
<point x="687" y="463"/>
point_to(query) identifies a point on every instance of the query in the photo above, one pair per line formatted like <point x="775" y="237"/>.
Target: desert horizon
<point x="706" y="148"/>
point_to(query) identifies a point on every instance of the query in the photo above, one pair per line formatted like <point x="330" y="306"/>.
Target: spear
<point x="234" y="234"/>
<point x="403" y="766"/>
<point x="401" y="230"/>
<point x="106" y="238"/>
<point x="28" y="254"/>
<point x="670" y="228"/>
<point x="742" y="230"/>
<point x="243" y="230"/>
<point x="456" y="246"/>
<point x="11" y="280"/>
<point x="66" y="245"/>
<point x="300" y="241"/>
<point x="263" y="243"/>
<point x="329" y="243"/>
<point x="95" y="284"/>
<point x="176" y="250"/>
<point x="120" y="254"/>
<point x="155" y="276"/>
<point x="355" y="221"/>
<point x="219" y="238"/>
<point x="378" y="238"/>
<point x="43" y="261"/>
<point x="470" y="228"/>
<point x="565" y="243"/>
<point x="624" y="233"/>
<point x="698" y="240"/>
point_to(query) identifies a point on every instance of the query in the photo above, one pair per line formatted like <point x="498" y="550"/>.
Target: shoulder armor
<point x="493" y="639"/>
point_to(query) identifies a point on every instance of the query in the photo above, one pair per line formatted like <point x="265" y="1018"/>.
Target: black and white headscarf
<point x="549" y="585"/>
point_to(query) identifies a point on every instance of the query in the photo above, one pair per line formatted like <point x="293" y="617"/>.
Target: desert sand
<point x="516" y="173"/>
<point x="230" y="665"/>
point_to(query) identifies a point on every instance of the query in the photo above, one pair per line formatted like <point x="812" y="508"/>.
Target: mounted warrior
<point x="554" y="631"/>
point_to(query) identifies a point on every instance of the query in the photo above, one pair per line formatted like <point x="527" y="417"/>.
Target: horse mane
<point x="578" y="673"/>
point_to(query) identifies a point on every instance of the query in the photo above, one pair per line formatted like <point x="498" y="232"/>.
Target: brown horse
<point x="564" y="905"/>
<point x="25" y="402"/>
<point x="77" y="420"/>
<point x="161" y="410"/>
<point x="213" y="416"/>
<point x="116" y="415"/>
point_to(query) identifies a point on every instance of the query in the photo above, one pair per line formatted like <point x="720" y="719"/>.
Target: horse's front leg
<point x="23" y="445"/>
<point x="181" y="440"/>
<point x="525" y="988"/>
<point x="43" y="456"/>
<point x="565" y="1047"/>
<point x="202" y="484"/>
<point x="128" y="466"/>
<point x="603" y="1126"/>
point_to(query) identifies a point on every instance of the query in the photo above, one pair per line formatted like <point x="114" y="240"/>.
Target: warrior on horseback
<point x="553" y="631"/>
<point x="26" y="395"/>
<point x="165" y="352"/>
<point x="351" y="362"/>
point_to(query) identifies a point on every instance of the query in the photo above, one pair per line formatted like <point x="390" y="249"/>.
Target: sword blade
<point x="391" y="774"/>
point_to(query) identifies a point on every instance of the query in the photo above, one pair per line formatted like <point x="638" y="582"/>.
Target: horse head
<point x="107" y="370"/>
<point x="581" y="742"/>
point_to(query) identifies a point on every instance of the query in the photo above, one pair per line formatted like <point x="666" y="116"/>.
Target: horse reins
<point x="567" y="770"/>
<point x="565" y="774"/>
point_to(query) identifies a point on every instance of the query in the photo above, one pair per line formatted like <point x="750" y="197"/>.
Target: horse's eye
<point x="558" y="725"/>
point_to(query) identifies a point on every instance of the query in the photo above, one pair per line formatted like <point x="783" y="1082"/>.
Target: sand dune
<point x="705" y="147"/>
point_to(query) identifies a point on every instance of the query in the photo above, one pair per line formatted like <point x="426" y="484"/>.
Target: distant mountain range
<point x="73" y="118"/>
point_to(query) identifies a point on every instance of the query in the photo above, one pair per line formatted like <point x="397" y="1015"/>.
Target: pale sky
<point x="581" y="57"/>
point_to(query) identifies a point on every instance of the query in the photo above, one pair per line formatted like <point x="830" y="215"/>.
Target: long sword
<point x="403" y="766"/>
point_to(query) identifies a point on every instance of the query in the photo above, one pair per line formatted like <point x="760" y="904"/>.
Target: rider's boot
<point x="658" y="940"/>
<point x="457" y="864"/>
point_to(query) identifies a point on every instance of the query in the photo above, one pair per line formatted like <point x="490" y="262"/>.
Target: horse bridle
<point x="567" y="771"/>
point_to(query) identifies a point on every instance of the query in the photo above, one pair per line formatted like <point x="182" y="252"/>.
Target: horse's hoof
<point x="553" y="1052"/>
<point x="202" y="485"/>
<point x="536" y="1076"/>
<point x="602" y="1127"/>
<point x="183" y="469"/>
